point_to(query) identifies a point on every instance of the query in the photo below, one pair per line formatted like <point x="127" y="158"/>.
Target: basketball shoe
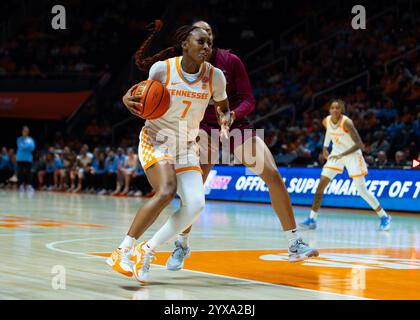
<point x="120" y="261"/>
<point x="385" y="224"/>
<point x="308" y="224"/>
<point x="299" y="251"/>
<point x="142" y="258"/>
<point x="176" y="260"/>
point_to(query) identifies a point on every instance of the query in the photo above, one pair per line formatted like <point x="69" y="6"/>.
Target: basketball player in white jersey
<point x="346" y="152"/>
<point x="168" y="149"/>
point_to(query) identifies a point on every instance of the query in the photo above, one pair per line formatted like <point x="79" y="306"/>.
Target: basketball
<point x="154" y="98"/>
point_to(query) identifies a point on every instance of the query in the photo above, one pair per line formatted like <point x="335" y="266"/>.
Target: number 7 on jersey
<point x="188" y="103"/>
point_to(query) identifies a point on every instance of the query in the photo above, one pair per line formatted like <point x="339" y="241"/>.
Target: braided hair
<point x="181" y="34"/>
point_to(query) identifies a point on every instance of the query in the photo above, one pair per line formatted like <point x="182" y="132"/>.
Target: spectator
<point x="111" y="168"/>
<point x="400" y="159"/>
<point x="128" y="169"/>
<point x="82" y="169"/>
<point x="49" y="170"/>
<point x="98" y="172"/>
<point x="69" y="160"/>
<point x="6" y="169"/>
<point x="382" y="160"/>
<point x="381" y="144"/>
<point x="25" y="147"/>
<point x="120" y="176"/>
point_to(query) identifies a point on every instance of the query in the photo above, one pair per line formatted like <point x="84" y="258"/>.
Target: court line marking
<point x="52" y="247"/>
<point x="50" y="234"/>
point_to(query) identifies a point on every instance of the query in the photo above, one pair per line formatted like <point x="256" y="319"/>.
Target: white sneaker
<point x="299" y="251"/>
<point x="120" y="261"/>
<point x="142" y="259"/>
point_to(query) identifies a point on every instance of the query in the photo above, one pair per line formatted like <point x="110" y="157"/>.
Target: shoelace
<point x="299" y="243"/>
<point x="125" y="257"/>
<point x="180" y="252"/>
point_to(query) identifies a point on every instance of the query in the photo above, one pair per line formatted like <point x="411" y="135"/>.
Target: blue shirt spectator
<point x="54" y="164"/>
<point x="25" y="147"/>
<point x="98" y="164"/>
<point x="4" y="160"/>
<point x="111" y="163"/>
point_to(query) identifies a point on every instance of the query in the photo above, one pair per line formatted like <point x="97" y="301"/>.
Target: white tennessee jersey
<point x="190" y="96"/>
<point x="338" y="135"/>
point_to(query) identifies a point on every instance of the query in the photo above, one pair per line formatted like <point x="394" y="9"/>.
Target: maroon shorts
<point x="240" y="130"/>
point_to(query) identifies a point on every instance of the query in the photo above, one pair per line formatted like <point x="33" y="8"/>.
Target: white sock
<point x="184" y="239"/>
<point x="313" y="214"/>
<point x="292" y="236"/>
<point x="382" y="213"/>
<point x="127" y="242"/>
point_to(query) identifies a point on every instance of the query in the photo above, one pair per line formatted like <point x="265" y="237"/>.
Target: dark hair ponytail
<point x="181" y="35"/>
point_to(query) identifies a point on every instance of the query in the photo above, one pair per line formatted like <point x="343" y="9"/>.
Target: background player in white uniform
<point x="173" y="166"/>
<point x="346" y="152"/>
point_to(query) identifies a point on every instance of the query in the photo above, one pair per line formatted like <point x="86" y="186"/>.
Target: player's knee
<point x="194" y="206"/>
<point x="166" y="193"/>
<point x="198" y="204"/>
<point x="271" y="175"/>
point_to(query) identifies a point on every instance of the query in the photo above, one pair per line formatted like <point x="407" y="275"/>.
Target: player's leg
<point x="191" y="191"/>
<point x="385" y="219"/>
<point x="357" y="169"/>
<point x="310" y="222"/>
<point x="163" y="179"/>
<point x="209" y="152"/>
<point x="329" y="171"/>
<point x="255" y="150"/>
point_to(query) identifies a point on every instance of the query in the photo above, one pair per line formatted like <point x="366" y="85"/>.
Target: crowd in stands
<point x="102" y="171"/>
<point x="87" y="45"/>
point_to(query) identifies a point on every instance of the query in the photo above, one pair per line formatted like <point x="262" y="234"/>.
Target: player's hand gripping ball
<point x="154" y="99"/>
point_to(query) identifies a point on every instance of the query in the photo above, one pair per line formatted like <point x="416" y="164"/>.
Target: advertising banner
<point x="395" y="189"/>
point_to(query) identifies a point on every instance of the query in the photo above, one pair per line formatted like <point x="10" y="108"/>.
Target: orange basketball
<point x="154" y="97"/>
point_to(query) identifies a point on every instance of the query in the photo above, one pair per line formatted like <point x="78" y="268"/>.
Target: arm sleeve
<point x="244" y="90"/>
<point x="158" y="72"/>
<point x="219" y="85"/>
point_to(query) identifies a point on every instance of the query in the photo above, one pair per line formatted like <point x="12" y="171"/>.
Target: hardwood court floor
<point x="239" y="252"/>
